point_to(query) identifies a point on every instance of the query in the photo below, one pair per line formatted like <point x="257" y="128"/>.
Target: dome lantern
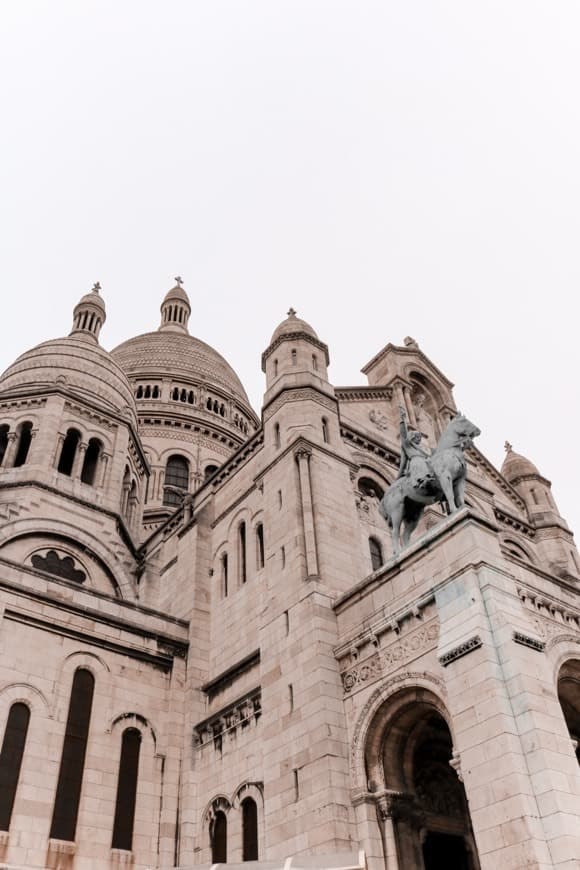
<point x="175" y="309"/>
<point x="89" y="315"/>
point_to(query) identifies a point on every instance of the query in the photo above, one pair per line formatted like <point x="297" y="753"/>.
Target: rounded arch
<point x="367" y="729"/>
<point x="248" y="788"/>
<point x="23" y="693"/>
<point x="101" y="672"/>
<point x="515" y="548"/>
<point x="75" y="537"/>
<point x="141" y="723"/>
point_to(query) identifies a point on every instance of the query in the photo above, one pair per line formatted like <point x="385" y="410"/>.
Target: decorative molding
<point x="531" y="642"/>
<point x="22" y="403"/>
<point x="462" y="650"/>
<point x="229" y="721"/>
<point x="552" y="615"/>
<point x="226" y="678"/>
<point x="363" y="394"/>
<point x="382" y="662"/>
<point x="515" y="523"/>
<point x="365" y="442"/>
<point x="386" y="621"/>
<point x="298" y="394"/>
<point x="87" y="414"/>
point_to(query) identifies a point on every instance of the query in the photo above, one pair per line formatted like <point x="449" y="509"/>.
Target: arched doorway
<point x="569" y="696"/>
<point x="408" y="760"/>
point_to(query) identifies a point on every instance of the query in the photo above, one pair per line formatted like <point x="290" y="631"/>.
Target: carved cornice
<point x="461" y="650"/>
<point x="298" y="394"/>
<point x="531" y="642"/>
<point x="559" y="616"/>
<point x="514" y="522"/>
<point x="228" y="721"/>
<point x="385" y="621"/>
<point x="361" y="440"/>
<point x="299" y="335"/>
<point x="363" y="394"/>
<point x="22" y="403"/>
<point x="227" y="677"/>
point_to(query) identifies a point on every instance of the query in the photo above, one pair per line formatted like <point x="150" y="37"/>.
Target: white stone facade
<point x="296" y="694"/>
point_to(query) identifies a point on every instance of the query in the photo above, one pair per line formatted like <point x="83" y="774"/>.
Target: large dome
<point x="79" y="366"/>
<point x="178" y="354"/>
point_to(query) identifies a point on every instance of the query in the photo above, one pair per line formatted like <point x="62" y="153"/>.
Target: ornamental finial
<point x="178" y="280"/>
<point x="291" y="312"/>
<point x="96" y="286"/>
<point x="508" y="447"/>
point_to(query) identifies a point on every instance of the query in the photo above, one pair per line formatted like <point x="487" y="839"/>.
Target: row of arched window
<point x="218" y="833"/>
<point x="15" y="446"/>
<point x="242" y="558"/>
<point x="72" y="763"/>
<point x="72" y="448"/>
<point x="147" y="391"/>
<point x="174" y="314"/>
<point x="87" y="320"/>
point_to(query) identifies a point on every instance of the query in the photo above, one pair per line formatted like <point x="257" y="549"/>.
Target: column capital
<point x="302" y="453"/>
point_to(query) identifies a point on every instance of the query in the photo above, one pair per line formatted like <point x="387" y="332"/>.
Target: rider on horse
<point x="414" y="462"/>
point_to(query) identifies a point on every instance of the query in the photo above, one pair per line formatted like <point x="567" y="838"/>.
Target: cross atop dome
<point x="96" y="286"/>
<point x="292" y="312"/>
<point x="89" y="314"/>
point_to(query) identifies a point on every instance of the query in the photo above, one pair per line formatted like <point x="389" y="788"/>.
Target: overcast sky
<point x="387" y="168"/>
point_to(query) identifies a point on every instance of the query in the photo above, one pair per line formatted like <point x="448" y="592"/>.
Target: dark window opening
<point x="294" y="356"/>
<point x="68" y="452"/>
<point x="155" y="393"/>
<point x="175" y="394"/>
<point x="11" y="760"/>
<point x="224" y="563"/>
<point x="376" y="553"/>
<point x="242" y="552"/>
<point x="219" y="838"/>
<point x="139" y="393"/>
<point x="91" y="461"/>
<point x="127" y="790"/>
<point x="249" y="830"/>
<point x="72" y="762"/>
<point x="59" y="566"/>
<point x="3" y="441"/>
<point x="260" y="546"/>
<point x="368" y="487"/>
<point x="325" y="436"/>
<point x="277" y="435"/>
<point x="177" y="477"/>
<point x="209" y="470"/>
<point x="24" y="441"/>
<point x="148" y="391"/>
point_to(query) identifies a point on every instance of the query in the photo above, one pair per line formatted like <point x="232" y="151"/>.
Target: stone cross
<point x="178" y="280"/>
<point x="96" y="287"/>
<point x="291" y="312"/>
<point x="508" y="447"/>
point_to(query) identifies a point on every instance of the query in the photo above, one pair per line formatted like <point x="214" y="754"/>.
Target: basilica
<point x="213" y="651"/>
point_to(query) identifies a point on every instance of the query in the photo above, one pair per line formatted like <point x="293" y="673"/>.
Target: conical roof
<point x="515" y="465"/>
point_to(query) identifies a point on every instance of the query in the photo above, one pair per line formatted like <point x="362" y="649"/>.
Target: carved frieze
<point x="228" y="723"/>
<point x="399" y="652"/>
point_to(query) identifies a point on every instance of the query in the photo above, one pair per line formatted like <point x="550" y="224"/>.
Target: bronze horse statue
<point x="405" y="499"/>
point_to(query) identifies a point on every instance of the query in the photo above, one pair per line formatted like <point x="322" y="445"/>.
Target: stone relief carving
<point x="378" y="419"/>
<point x="384" y="661"/>
<point x="228" y="723"/>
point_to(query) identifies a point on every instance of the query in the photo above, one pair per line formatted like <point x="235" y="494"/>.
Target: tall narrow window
<point x="325" y="436"/>
<point x="219" y="838"/>
<point x="242" y="552"/>
<point x="176" y="480"/>
<point x="294" y="357"/>
<point x="376" y="553"/>
<point x="224" y="564"/>
<point x="209" y="470"/>
<point x="11" y="760"/>
<point x="68" y="452"/>
<point x="91" y="461"/>
<point x="276" y="435"/>
<point x="249" y="830"/>
<point x="275" y="368"/>
<point x="24" y="441"/>
<point x="72" y="762"/>
<point x="3" y="441"/>
<point x="260" y="546"/>
<point x="127" y="790"/>
<point x="314" y="362"/>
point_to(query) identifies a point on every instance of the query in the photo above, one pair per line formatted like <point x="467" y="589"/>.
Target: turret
<point x="89" y="315"/>
<point x="554" y="536"/>
<point x="175" y="310"/>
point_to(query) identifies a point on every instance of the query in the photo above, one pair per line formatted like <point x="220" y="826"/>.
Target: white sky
<point x="387" y="168"/>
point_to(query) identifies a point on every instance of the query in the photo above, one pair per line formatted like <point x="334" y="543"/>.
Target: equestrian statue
<point x="425" y="479"/>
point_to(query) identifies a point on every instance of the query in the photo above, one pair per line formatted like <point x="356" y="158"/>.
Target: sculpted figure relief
<point x="425" y="479"/>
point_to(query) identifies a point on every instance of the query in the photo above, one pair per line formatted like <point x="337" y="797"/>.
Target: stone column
<point x="370" y="836"/>
<point x="386" y="803"/>
<point x="103" y="463"/>
<point x="78" y="461"/>
<point x="10" y="454"/>
<point x="58" y="451"/>
<point x="303" y="455"/>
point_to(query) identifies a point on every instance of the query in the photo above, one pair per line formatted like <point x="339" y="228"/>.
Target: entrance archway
<point x="409" y="761"/>
<point x="569" y="696"/>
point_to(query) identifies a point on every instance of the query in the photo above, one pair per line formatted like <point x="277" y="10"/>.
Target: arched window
<point x="139" y="393"/>
<point x="72" y="762"/>
<point x="11" y="760"/>
<point x="376" y="553"/>
<point x="370" y="488"/>
<point x="314" y="362"/>
<point x="325" y="436"/>
<point x="259" y="546"/>
<point x="275" y="368"/>
<point x="276" y="435"/>
<point x="147" y="391"/>
<point x="209" y="470"/>
<point x="155" y="393"/>
<point x="91" y="461"/>
<point x="126" y="790"/>
<point x="3" y="441"/>
<point x="68" y="452"/>
<point x="224" y="567"/>
<point x="208" y="404"/>
<point x="242" y="552"/>
<point x="294" y="357"/>
<point x="183" y="397"/>
<point x="24" y="441"/>
<point x="175" y="394"/>
<point x="177" y="477"/>
<point x="190" y="398"/>
<point x="249" y="830"/>
<point x="219" y="838"/>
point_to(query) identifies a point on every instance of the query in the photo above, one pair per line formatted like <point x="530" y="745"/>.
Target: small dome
<point x="177" y="294"/>
<point x="515" y="466"/>
<point x="292" y="324"/>
<point x="175" y="354"/>
<point x="83" y="369"/>
<point x="93" y="298"/>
